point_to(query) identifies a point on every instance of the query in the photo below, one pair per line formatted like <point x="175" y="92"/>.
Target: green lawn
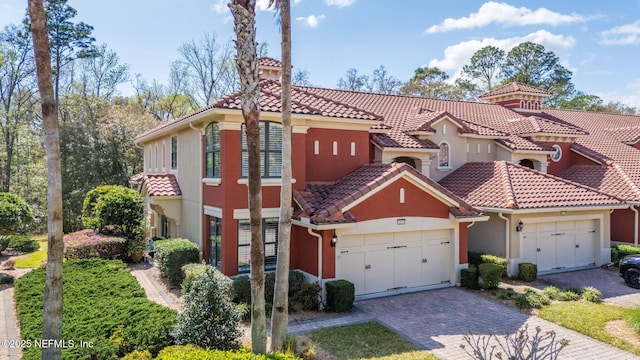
<point x="367" y="341"/>
<point x="36" y="258"/>
<point x="590" y="319"/>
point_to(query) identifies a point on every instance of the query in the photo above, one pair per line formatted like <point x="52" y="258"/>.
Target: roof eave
<point x="552" y="209"/>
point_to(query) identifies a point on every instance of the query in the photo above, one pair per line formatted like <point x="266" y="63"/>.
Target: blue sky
<point x="599" y="41"/>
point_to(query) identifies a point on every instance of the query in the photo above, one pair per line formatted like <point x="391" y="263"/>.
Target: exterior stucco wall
<point x="189" y="176"/>
<point x="481" y="150"/>
<point x="447" y="131"/>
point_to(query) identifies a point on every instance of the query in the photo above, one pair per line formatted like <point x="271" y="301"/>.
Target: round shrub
<point x="173" y="254"/>
<point x="23" y="243"/>
<point x="113" y="209"/>
<point x="340" y="295"/>
<point x="15" y="214"/>
<point x="210" y="318"/>
<point x="491" y="275"/>
<point x="190" y="272"/>
<point x="469" y="277"/>
<point x="6" y="279"/>
<point x="527" y="272"/>
<point x="309" y="296"/>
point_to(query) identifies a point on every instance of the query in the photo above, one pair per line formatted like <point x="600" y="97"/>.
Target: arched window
<point x="444" y="155"/>
<point x="270" y="150"/>
<point x="212" y="151"/>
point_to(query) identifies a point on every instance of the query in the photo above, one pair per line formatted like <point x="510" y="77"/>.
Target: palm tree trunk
<point x="247" y="62"/>
<point x="280" y="313"/>
<point x="52" y="322"/>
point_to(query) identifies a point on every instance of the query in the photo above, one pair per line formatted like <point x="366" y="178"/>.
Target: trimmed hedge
<point x="113" y="209"/>
<point x="497" y="260"/>
<point x="88" y="243"/>
<point x="469" y="277"/>
<point x="23" y="243"/>
<point x="242" y="286"/>
<point x="491" y="275"/>
<point x="191" y="352"/>
<point x="624" y="250"/>
<point x="173" y="254"/>
<point x="340" y="295"/>
<point x="103" y="304"/>
<point x="527" y="271"/>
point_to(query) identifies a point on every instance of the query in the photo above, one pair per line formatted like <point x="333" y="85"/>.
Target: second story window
<point x="270" y="150"/>
<point x="174" y="152"/>
<point x="444" y="156"/>
<point x="212" y="151"/>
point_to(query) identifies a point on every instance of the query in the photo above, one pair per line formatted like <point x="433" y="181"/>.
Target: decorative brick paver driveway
<point x="614" y="290"/>
<point x="437" y="320"/>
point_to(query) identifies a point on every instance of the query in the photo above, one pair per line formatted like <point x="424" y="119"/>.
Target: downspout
<point x="507" y="255"/>
<point x="635" y="224"/>
<point x="319" y="254"/>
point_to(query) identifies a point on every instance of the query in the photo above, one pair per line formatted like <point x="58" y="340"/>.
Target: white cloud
<point x="507" y="15"/>
<point x="311" y="20"/>
<point x="628" y="34"/>
<point x="458" y="55"/>
<point x="339" y="3"/>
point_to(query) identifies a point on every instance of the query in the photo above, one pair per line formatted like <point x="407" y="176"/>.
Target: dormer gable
<point x="269" y="68"/>
<point x="517" y="96"/>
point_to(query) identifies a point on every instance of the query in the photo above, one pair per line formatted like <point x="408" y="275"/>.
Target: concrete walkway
<point x="155" y="291"/>
<point x="437" y="320"/>
<point x="8" y="326"/>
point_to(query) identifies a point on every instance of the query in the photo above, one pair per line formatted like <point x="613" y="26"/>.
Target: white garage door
<point x="391" y="261"/>
<point x="560" y="245"/>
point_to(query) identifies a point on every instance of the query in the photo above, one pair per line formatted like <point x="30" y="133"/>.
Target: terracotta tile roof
<point x="515" y="87"/>
<point x="514" y="142"/>
<point x="608" y="179"/>
<point x="628" y="135"/>
<point x="323" y="203"/>
<point x="505" y="185"/>
<point x="398" y="139"/>
<point x="136" y="178"/>
<point x="267" y="61"/>
<point x="161" y="185"/>
<point x="537" y="125"/>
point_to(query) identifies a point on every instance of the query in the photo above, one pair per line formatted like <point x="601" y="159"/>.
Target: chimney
<point x="517" y="97"/>
<point x="269" y="69"/>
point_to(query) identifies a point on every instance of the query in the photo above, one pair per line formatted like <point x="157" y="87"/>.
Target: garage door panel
<point x="435" y="269"/>
<point x="408" y="262"/>
<point x="561" y="244"/>
<point x="546" y="253"/>
<point x="352" y="266"/>
<point x="565" y="251"/>
<point x="408" y="237"/>
<point x="350" y="241"/>
<point x="379" y="273"/>
<point x="379" y="239"/>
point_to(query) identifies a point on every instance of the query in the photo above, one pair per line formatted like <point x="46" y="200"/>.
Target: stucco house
<point x="391" y="192"/>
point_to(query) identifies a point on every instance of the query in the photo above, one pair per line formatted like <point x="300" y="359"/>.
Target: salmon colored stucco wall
<point x="622" y="223"/>
<point x="328" y="167"/>
<point x="555" y="168"/>
<point x="304" y="252"/>
<point x="386" y="203"/>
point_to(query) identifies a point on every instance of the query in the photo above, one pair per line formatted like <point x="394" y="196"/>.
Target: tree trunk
<point x="247" y="62"/>
<point x="52" y="322"/>
<point x="280" y="312"/>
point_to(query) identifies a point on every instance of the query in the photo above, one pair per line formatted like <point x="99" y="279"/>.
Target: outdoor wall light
<point x="334" y="240"/>
<point x="520" y="226"/>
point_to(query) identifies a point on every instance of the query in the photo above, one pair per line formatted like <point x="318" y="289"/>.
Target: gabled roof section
<point x="324" y="203"/>
<point x="608" y="179"/>
<point x="421" y="119"/>
<point x="398" y="139"/>
<point x="267" y="61"/>
<point x="530" y="125"/>
<point x="515" y="87"/>
<point x="302" y="102"/>
<point x="160" y="185"/>
<point x="518" y="143"/>
<point x="505" y="185"/>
